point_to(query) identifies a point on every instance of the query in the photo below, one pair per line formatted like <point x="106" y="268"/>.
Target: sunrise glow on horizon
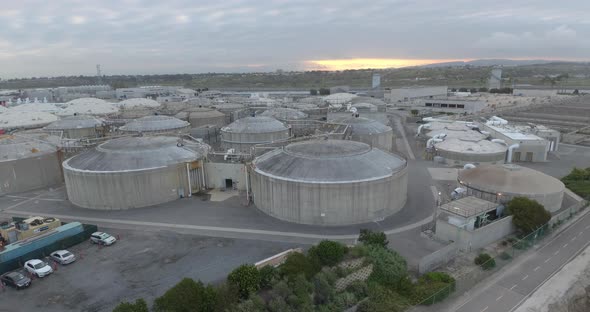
<point x="364" y="63"/>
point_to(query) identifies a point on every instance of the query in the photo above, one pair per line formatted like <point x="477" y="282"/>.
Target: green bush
<point x="579" y="182"/>
<point x="187" y="296"/>
<point x="485" y="261"/>
<point x="297" y="263"/>
<point x="329" y="253"/>
<point x="357" y="251"/>
<point x="388" y="267"/>
<point x="505" y="256"/>
<point x="254" y="304"/>
<point x="340" y="271"/>
<point x="371" y="238"/>
<point x="359" y="289"/>
<point x="246" y="279"/>
<point x="527" y="214"/>
<point x="433" y="287"/>
<point x="382" y="299"/>
<point x="268" y="274"/>
<point x="323" y="289"/>
<point x="138" y="306"/>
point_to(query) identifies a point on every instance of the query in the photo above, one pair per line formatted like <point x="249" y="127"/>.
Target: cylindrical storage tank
<point x="28" y="162"/>
<point x="133" y="172"/>
<point x="501" y="183"/>
<point x="77" y="127"/>
<point x="156" y="124"/>
<point x="89" y="106"/>
<point x="365" y="107"/>
<point x="370" y="131"/>
<point x="297" y="120"/>
<point x="244" y="133"/>
<point x="25" y="120"/>
<point x="329" y="182"/>
<point x="231" y="110"/>
<point x="203" y="116"/>
<point x="460" y="152"/>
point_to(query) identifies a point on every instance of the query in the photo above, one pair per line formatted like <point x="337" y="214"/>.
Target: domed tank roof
<point x="361" y="125"/>
<point x="284" y="113"/>
<point x="328" y="161"/>
<point x="18" y="146"/>
<point x="75" y="122"/>
<point x="19" y="119"/>
<point x="154" y="123"/>
<point x="132" y="154"/>
<point x="88" y="106"/>
<point x="481" y="147"/>
<point x="36" y="107"/>
<point x="258" y="124"/>
<point x="138" y="103"/>
<point x="511" y="179"/>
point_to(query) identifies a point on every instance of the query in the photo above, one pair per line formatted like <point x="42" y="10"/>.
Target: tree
<point x="329" y="253"/>
<point x="267" y="275"/>
<point x="433" y="287"/>
<point x="473" y="90"/>
<point x="297" y="263"/>
<point x="482" y="89"/>
<point x="463" y="90"/>
<point x="246" y="279"/>
<point x="453" y="89"/>
<point x="485" y="261"/>
<point x="576" y="92"/>
<point x="579" y="182"/>
<point x="139" y="306"/>
<point x="527" y="214"/>
<point x="383" y="299"/>
<point x="187" y="296"/>
<point x="414" y="112"/>
<point x="389" y="268"/>
<point x="324" y="91"/>
<point x="371" y="238"/>
<point x="313" y="92"/>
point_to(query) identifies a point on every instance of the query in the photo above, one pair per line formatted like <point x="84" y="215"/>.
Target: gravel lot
<point x="141" y="264"/>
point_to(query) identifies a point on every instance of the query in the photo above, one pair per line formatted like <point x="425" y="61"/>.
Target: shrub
<point x="323" y="289"/>
<point x="357" y="251"/>
<point x="329" y="253"/>
<point x="505" y="256"/>
<point x="188" y="296"/>
<point x="485" y="261"/>
<point x="297" y="263"/>
<point x="267" y="275"/>
<point x="138" y="306"/>
<point x="527" y="214"/>
<point x="388" y="267"/>
<point x="254" y="304"/>
<point x="359" y="289"/>
<point x="371" y="238"/>
<point x="246" y="279"/>
<point x="340" y="271"/>
<point x="343" y="301"/>
<point x="433" y="287"/>
<point x="382" y="299"/>
<point x="301" y="288"/>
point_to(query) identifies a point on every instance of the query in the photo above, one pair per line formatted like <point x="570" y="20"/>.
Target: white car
<point x="102" y="238"/>
<point x="63" y="256"/>
<point x="38" y="268"/>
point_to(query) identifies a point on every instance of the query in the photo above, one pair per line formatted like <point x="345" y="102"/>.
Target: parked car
<point x="15" y="279"/>
<point x="63" y="256"/>
<point x="38" y="267"/>
<point x="102" y="238"/>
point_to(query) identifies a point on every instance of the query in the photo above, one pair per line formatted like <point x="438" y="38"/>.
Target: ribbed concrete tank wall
<point x="291" y="117"/>
<point x="460" y="152"/>
<point x="156" y="124"/>
<point x="77" y="127"/>
<point x="244" y="133"/>
<point x="202" y="116"/>
<point x="500" y="183"/>
<point x="329" y="182"/>
<point x="133" y="172"/>
<point x="28" y="163"/>
<point x="370" y="131"/>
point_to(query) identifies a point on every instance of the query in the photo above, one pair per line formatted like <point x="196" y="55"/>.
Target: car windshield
<point x="104" y="236"/>
<point x="39" y="265"/>
<point x="17" y="276"/>
<point x="66" y="254"/>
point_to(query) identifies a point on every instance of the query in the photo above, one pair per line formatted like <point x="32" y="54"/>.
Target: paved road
<point x="509" y="289"/>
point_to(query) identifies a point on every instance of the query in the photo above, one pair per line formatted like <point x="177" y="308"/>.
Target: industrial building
<point x="203" y="116"/>
<point x="370" y="132"/>
<point x="156" y="124"/>
<point x="457" y="106"/>
<point x="28" y="161"/>
<point x="408" y="94"/>
<point x="523" y="145"/>
<point x="244" y="133"/>
<point x="133" y="172"/>
<point x="77" y="127"/>
<point x="329" y="182"/>
<point x="11" y="120"/>
<point x="456" y="151"/>
<point x="501" y="183"/>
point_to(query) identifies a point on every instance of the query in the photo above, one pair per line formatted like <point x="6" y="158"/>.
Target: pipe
<point x="420" y="130"/>
<point x="469" y="166"/>
<point x="188" y="175"/>
<point x="511" y="149"/>
<point x="247" y="183"/>
<point x="431" y="142"/>
<point x="499" y="141"/>
<point x="203" y="175"/>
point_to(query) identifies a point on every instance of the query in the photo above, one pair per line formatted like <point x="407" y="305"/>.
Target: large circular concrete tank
<point x="329" y="182"/>
<point x="244" y="133"/>
<point x="500" y="183"/>
<point x="77" y="127"/>
<point x="297" y="120"/>
<point x="370" y="131"/>
<point x="89" y="106"/>
<point x="133" y="172"/>
<point x="460" y="151"/>
<point x="25" y="120"/>
<point x="156" y="124"/>
<point x="202" y="116"/>
<point x="28" y="162"/>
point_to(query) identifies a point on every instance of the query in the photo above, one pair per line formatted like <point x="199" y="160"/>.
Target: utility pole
<point x="98" y="74"/>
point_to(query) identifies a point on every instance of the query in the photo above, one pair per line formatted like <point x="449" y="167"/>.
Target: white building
<point x="523" y="144"/>
<point x="450" y="105"/>
<point x="410" y="93"/>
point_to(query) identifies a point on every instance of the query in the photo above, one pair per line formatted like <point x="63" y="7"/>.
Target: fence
<point x="45" y="251"/>
<point x="438" y="258"/>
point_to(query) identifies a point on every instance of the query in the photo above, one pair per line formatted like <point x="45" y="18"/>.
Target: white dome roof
<point x="17" y="119"/>
<point x="36" y="107"/>
<point x="138" y="103"/>
<point x="88" y="106"/>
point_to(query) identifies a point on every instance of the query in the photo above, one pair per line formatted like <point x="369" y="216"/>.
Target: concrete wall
<point x="479" y="238"/>
<point x="30" y="173"/>
<point x="216" y="173"/>
<point x="197" y="121"/>
<point x="534" y="92"/>
<point x="242" y="142"/>
<point x="330" y="203"/>
<point x="551" y="201"/>
<point x="454" y="158"/>
<point x="384" y="141"/>
<point x="125" y="190"/>
<point x="438" y="258"/>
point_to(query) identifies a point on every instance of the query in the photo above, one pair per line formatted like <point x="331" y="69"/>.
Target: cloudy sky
<point x="66" y="37"/>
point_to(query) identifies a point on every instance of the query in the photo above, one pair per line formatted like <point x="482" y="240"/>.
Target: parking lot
<point x="141" y="264"/>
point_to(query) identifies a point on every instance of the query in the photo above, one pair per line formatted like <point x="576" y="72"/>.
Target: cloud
<point x="77" y="20"/>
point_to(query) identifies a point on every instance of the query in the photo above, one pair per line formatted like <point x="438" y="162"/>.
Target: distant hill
<point x="493" y="62"/>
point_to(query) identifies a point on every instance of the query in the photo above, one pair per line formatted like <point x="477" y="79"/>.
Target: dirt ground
<point x="141" y="264"/>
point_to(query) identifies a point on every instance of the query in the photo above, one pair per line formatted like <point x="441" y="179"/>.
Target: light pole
<point x="435" y="212"/>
